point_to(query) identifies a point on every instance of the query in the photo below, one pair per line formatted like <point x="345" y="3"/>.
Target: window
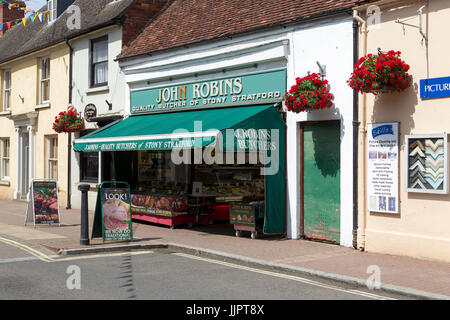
<point x="89" y="163"/>
<point x="44" y="80"/>
<point x="99" y="62"/>
<point x="52" y="157"/>
<point x="89" y="167"/>
<point x="6" y="90"/>
<point x="52" y="6"/>
<point x="4" y="159"/>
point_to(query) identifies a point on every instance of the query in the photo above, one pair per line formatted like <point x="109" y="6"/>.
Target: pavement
<point x="398" y="274"/>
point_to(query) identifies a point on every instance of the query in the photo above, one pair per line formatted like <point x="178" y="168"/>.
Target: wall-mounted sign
<point x="382" y="165"/>
<point x="426" y="163"/>
<point x="90" y="111"/>
<point x="435" y="88"/>
<point x="258" y="88"/>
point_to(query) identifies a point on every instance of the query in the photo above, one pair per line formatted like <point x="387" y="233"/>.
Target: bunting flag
<point x="33" y="15"/>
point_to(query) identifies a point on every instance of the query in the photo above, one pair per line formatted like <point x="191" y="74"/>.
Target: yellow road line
<point x="26" y="248"/>
<point x="285" y="276"/>
<point x="43" y="257"/>
<point x="92" y="256"/>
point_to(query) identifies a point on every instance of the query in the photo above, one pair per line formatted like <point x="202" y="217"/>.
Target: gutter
<point x="357" y="20"/>
<point x="69" y="134"/>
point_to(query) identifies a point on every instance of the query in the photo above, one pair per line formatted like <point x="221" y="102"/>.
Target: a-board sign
<point x="112" y="220"/>
<point x="43" y="205"/>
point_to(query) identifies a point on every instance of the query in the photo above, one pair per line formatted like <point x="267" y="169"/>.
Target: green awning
<point x="167" y="131"/>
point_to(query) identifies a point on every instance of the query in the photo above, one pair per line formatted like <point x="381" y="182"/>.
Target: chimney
<point x="10" y="14"/>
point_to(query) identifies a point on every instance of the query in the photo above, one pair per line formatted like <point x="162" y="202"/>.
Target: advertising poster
<point x="382" y="167"/>
<point x="116" y="214"/>
<point x="161" y="205"/>
<point x="44" y="197"/>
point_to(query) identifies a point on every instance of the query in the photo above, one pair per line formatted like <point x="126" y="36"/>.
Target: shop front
<point x="203" y="152"/>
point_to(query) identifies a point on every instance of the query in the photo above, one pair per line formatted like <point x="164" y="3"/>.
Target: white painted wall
<point x="297" y="48"/>
<point x="82" y="95"/>
<point x="331" y="44"/>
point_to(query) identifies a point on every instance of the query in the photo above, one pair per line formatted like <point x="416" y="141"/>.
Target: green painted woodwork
<point x="321" y="181"/>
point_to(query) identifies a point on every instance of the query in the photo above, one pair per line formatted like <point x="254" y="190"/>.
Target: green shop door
<point x="320" y="181"/>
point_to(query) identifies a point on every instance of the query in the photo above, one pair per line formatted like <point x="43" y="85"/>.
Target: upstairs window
<point x="44" y="82"/>
<point x="52" y="13"/>
<point x="6" y="90"/>
<point x="99" y="62"/>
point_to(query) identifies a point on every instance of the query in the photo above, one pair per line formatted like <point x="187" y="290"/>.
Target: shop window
<point x="52" y="157"/>
<point x="4" y="155"/>
<point x="89" y="167"/>
<point x="44" y="82"/>
<point x="99" y="62"/>
<point x="6" y="90"/>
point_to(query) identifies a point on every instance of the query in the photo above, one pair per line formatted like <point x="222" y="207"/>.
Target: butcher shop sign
<point x="114" y="210"/>
<point x="43" y="207"/>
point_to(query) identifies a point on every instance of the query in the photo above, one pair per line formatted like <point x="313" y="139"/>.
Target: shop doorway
<point x="320" y="181"/>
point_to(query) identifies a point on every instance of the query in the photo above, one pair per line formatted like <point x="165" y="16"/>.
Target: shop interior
<point x="226" y="197"/>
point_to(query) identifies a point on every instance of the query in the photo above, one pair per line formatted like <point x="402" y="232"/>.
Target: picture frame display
<point x="426" y="163"/>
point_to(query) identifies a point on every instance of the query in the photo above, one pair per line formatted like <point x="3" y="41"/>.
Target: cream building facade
<point x="416" y="28"/>
<point x="34" y="90"/>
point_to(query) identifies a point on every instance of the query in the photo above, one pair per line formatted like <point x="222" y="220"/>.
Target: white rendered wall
<point x="331" y="44"/>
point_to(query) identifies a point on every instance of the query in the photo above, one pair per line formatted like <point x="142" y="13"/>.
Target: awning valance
<point x="176" y="130"/>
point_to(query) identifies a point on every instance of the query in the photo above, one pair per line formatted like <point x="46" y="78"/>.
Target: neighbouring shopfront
<point x="203" y="151"/>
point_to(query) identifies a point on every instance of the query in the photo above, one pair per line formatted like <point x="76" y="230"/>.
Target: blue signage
<point x="435" y="88"/>
<point x="381" y="130"/>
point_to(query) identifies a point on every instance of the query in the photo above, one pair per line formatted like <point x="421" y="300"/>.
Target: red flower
<point x="309" y="93"/>
<point x="383" y="68"/>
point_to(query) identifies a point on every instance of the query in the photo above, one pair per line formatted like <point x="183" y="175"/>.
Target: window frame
<point x="42" y="80"/>
<point x="83" y="175"/>
<point x="49" y="139"/>
<point x="52" y="7"/>
<point x="6" y="90"/>
<point x="92" y="65"/>
<point x="3" y="158"/>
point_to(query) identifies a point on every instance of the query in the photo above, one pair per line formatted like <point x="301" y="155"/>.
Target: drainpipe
<point x="69" y="135"/>
<point x="356" y="21"/>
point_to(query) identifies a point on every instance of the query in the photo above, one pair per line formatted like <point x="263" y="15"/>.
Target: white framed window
<point x="99" y="62"/>
<point x="6" y="90"/>
<point x="44" y="80"/>
<point x="4" y="159"/>
<point x="52" y="7"/>
<point x="51" y="157"/>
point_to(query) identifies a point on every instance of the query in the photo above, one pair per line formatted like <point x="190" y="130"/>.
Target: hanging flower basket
<point x="68" y="121"/>
<point x="309" y="93"/>
<point x="380" y="73"/>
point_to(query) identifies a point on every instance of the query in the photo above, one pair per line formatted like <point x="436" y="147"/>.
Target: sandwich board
<point x="43" y="203"/>
<point x="112" y="218"/>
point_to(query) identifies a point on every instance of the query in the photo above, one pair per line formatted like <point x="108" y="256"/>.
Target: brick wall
<point x="7" y="15"/>
<point x="138" y="16"/>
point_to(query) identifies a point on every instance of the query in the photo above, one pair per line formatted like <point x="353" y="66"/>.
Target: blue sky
<point x="35" y="4"/>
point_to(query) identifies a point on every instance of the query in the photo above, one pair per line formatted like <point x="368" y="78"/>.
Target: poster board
<point x="112" y="219"/>
<point x="43" y="203"/>
<point x="383" y="167"/>
<point x="426" y="163"/>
